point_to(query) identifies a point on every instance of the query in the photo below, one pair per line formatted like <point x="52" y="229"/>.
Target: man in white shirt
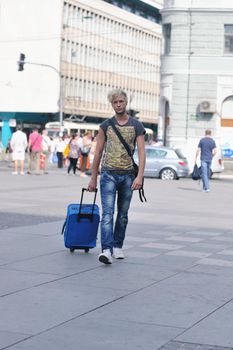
<point x="18" y="144"/>
<point x="46" y="149"/>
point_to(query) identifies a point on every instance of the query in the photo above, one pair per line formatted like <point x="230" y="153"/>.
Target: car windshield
<point x="179" y="154"/>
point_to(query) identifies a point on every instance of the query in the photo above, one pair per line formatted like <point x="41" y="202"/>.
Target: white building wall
<point x="105" y="47"/>
<point x="206" y="5"/>
<point x="96" y="46"/>
<point x="196" y="62"/>
<point x="32" y="27"/>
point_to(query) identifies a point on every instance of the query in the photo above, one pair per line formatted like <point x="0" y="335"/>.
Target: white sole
<point x="103" y="259"/>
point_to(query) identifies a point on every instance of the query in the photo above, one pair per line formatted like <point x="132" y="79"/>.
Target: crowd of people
<point x="73" y="152"/>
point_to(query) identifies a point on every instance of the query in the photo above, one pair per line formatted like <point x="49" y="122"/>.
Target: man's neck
<point x="122" y="118"/>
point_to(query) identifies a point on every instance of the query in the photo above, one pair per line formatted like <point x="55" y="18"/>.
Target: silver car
<point x="164" y="163"/>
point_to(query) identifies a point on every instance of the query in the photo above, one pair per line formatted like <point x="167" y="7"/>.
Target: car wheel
<point x="168" y="174"/>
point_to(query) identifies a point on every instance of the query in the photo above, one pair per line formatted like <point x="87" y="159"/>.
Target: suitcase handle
<point x="85" y="215"/>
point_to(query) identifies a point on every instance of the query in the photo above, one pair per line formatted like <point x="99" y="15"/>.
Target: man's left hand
<point x="137" y="184"/>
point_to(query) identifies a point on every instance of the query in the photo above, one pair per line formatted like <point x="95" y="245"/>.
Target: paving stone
<point x="100" y="334"/>
<point x="184" y="239"/>
<point x="165" y="246"/>
<point x="173" y="345"/>
<point x="187" y="253"/>
<point x="10" y="338"/>
<point x="217" y="262"/>
<point x="216" y="329"/>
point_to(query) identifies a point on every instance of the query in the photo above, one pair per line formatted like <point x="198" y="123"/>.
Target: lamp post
<point x="21" y="63"/>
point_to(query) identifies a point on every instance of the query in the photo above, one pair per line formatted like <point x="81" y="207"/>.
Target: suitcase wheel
<point x="72" y="250"/>
<point x="87" y="250"/>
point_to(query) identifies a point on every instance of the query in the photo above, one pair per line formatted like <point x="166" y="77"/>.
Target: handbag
<point x="66" y="151"/>
<point x="85" y="150"/>
<point x="135" y="166"/>
<point x="54" y="158"/>
<point x="196" y="173"/>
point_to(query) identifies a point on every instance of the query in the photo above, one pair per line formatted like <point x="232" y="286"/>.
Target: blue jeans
<point x="110" y="185"/>
<point x="205" y="173"/>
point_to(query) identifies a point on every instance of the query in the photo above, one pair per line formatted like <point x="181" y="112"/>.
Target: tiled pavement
<point x="173" y="345"/>
<point x="206" y="247"/>
<point x="174" y="290"/>
<point x="174" y="287"/>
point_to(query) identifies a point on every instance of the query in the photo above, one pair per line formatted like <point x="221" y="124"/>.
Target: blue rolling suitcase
<point x="81" y="225"/>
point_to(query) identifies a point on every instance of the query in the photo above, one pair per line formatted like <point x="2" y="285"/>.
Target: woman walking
<point x="73" y="154"/>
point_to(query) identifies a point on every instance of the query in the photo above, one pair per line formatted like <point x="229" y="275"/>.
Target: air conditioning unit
<point x="207" y="107"/>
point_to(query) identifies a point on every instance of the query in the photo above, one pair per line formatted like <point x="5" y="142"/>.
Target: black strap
<point x="63" y="228"/>
<point x="125" y="144"/>
<point x="141" y="192"/>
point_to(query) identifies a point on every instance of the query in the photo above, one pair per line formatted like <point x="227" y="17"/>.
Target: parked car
<point x="164" y="163"/>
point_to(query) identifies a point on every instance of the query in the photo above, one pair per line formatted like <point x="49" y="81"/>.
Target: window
<point x="155" y="153"/>
<point x="228" y="38"/>
<point x="167" y="38"/>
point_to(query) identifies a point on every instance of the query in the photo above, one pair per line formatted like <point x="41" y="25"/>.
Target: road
<point x="173" y="291"/>
<point x="35" y="199"/>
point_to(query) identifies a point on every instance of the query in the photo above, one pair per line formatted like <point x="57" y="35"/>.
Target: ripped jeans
<point x="113" y="184"/>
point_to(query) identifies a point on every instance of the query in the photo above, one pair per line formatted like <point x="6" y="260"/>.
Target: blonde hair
<point x="115" y="93"/>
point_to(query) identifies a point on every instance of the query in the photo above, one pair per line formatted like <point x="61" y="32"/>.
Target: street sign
<point x="12" y="123"/>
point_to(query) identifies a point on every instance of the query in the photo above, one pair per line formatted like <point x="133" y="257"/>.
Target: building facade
<point x="106" y="47"/>
<point x="72" y="61"/>
<point x="197" y="73"/>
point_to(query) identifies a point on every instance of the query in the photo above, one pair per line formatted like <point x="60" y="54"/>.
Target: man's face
<point x="119" y="104"/>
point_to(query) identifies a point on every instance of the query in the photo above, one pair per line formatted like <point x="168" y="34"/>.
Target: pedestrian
<point x="66" y="150"/>
<point x="206" y="149"/>
<point x="117" y="174"/>
<point x="35" y="149"/>
<point x="85" y="150"/>
<point x="18" y="146"/>
<point x="73" y="154"/>
<point x="53" y="151"/>
<point x="60" y="147"/>
<point x="46" y="149"/>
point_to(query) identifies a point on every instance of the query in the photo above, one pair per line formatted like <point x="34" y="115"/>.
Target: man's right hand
<point x="92" y="185"/>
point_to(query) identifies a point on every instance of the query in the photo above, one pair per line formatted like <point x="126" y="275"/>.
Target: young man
<point x="207" y="149"/>
<point x="117" y="174"/>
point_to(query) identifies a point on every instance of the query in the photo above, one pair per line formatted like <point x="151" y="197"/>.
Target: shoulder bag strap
<point x="125" y="144"/>
<point x="121" y="138"/>
<point x="33" y="143"/>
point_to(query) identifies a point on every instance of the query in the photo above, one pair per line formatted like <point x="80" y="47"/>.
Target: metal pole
<point x="60" y="92"/>
<point x="61" y="101"/>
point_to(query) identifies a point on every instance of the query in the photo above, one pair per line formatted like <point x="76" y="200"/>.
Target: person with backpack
<point x="118" y="178"/>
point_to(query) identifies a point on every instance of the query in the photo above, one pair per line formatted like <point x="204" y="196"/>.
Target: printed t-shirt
<point x="115" y="155"/>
